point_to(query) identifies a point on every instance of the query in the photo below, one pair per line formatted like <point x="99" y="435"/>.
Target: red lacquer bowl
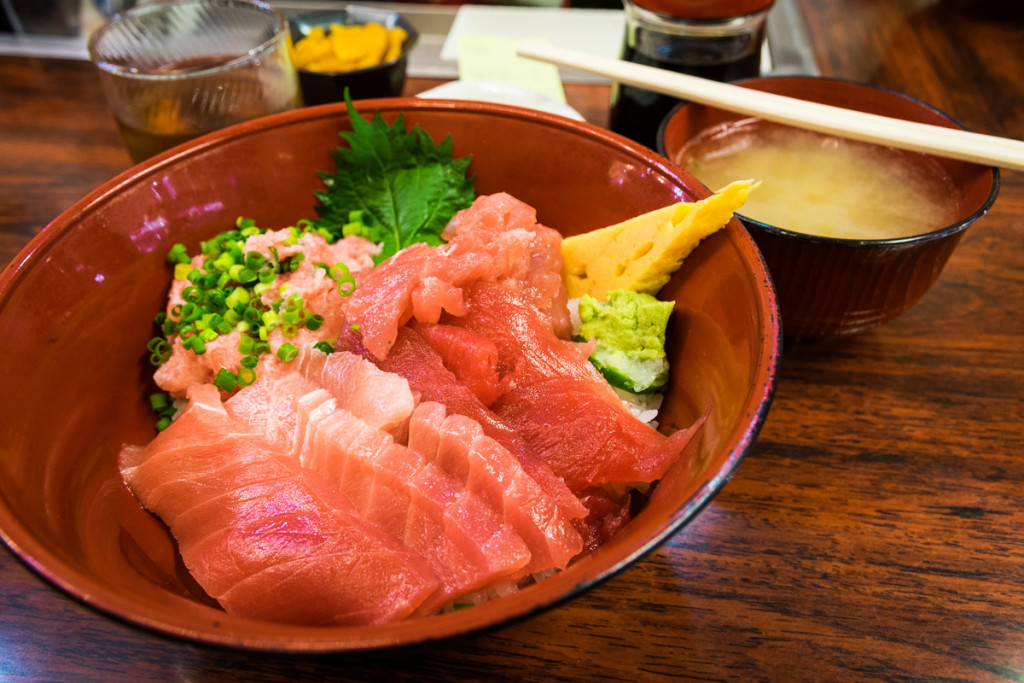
<point x="76" y="308"/>
<point x="831" y="287"/>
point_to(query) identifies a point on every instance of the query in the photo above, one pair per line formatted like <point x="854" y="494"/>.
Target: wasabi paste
<point x="629" y="333"/>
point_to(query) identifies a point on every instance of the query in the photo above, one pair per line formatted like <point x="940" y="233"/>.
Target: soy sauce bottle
<point x="705" y="38"/>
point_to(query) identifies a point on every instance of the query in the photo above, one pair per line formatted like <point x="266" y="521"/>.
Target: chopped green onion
<point x="192" y="295"/>
<point x="177" y="254"/>
<point x="190" y="312"/>
<point x="215" y="297"/>
<point x="287" y="352"/>
<point x="195" y="344"/>
<point x="224" y="294"/>
<point x="223" y="262"/>
<point x="254" y="260"/>
<point x="246" y="344"/>
<point x="225" y="380"/>
<point x="238" y="295"/>
<point x="246" y="376"/>
<point x="159" y="350"/>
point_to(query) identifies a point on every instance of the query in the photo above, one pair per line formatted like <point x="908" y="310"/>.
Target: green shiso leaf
<point x="403" y="186"/>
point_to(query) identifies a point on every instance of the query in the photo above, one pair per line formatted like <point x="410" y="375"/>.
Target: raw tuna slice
<point x="465" y="542"/>
<point x="277" y="406"/>
<point x="268" y="540"/>
<point x="584" y="439"/>
<point x="458" y="445"/>
<point x="608" y="513"/>
<point x="423" y="281"/>
<point x="538" y="278"/>
<point x="528" y="346"/>
<point x="471" y="357"/>
<point x="382" y="399"/>
<point x="558" y="403"/>
<point x="423" y="367"/>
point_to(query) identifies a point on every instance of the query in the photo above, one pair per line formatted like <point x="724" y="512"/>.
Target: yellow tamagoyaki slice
<point x="641" y="253"/>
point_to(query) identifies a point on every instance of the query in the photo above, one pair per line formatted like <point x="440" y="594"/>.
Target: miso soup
<point x="824" y="185"/>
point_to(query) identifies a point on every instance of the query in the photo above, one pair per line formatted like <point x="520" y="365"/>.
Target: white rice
<point x="644" y="406"/>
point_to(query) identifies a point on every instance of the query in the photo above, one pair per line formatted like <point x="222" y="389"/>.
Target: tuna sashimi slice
<point x="413" y="358"/>
<point x="537" y="278"/>
<point x="585" y="440"/>
<point x="496" y="552"/>
<point x="277" y="406"/>
<point x="465" y="542"/>
<point x="458" y="445"/>
<point x="383" y="400"/>
<point x="291" y="543"/>
<point x="528" y="346"/>
<point x="264" y="538"/>
<point x="423" y="281"/>
<point x="558" y="403"/>
<point x="353" y="456"/>
<point x="470" y="356"/>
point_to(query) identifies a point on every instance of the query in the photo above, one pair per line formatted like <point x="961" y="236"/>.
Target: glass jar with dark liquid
<point x="717" y="48"/>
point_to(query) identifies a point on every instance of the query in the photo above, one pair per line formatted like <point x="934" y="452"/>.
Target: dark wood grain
<point x="874" y="533"/>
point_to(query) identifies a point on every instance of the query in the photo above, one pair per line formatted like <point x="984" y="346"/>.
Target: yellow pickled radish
<point x="396" y="39"/>
<point x="374" y="40"/>
<point x="311" y="48"/>
<point x="343" y="48"/>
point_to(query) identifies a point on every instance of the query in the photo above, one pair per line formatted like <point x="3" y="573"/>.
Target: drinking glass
<point x="173" y="71"/>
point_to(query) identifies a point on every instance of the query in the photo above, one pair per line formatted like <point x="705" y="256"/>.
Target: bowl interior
<point x="974" y="184"/>
<point x="76" y="309"/>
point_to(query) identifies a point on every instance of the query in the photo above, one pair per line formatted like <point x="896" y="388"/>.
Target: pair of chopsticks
<point x="919" y="137"/>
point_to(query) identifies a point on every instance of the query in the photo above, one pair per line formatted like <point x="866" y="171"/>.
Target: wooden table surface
<point x="875" y="531"/>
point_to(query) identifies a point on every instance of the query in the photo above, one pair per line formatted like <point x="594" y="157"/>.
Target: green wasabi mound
<point x="629" y="334"/>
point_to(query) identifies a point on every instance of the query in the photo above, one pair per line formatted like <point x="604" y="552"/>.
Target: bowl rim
<point x="558" y="589"/>
<point x="939" y="233"/>
<point x="367" y="15"/>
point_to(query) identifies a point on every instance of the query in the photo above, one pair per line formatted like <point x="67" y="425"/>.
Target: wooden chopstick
<point x="920" y="137"/>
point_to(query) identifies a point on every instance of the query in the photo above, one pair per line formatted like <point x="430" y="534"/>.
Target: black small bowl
<point x="383" y="80"/>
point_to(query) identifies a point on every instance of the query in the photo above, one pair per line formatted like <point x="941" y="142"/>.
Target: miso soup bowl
<point x="829" y="287"/>
<point x="77" y="307"/>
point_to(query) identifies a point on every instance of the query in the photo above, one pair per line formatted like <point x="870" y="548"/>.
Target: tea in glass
<point x="173" y="71"/>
